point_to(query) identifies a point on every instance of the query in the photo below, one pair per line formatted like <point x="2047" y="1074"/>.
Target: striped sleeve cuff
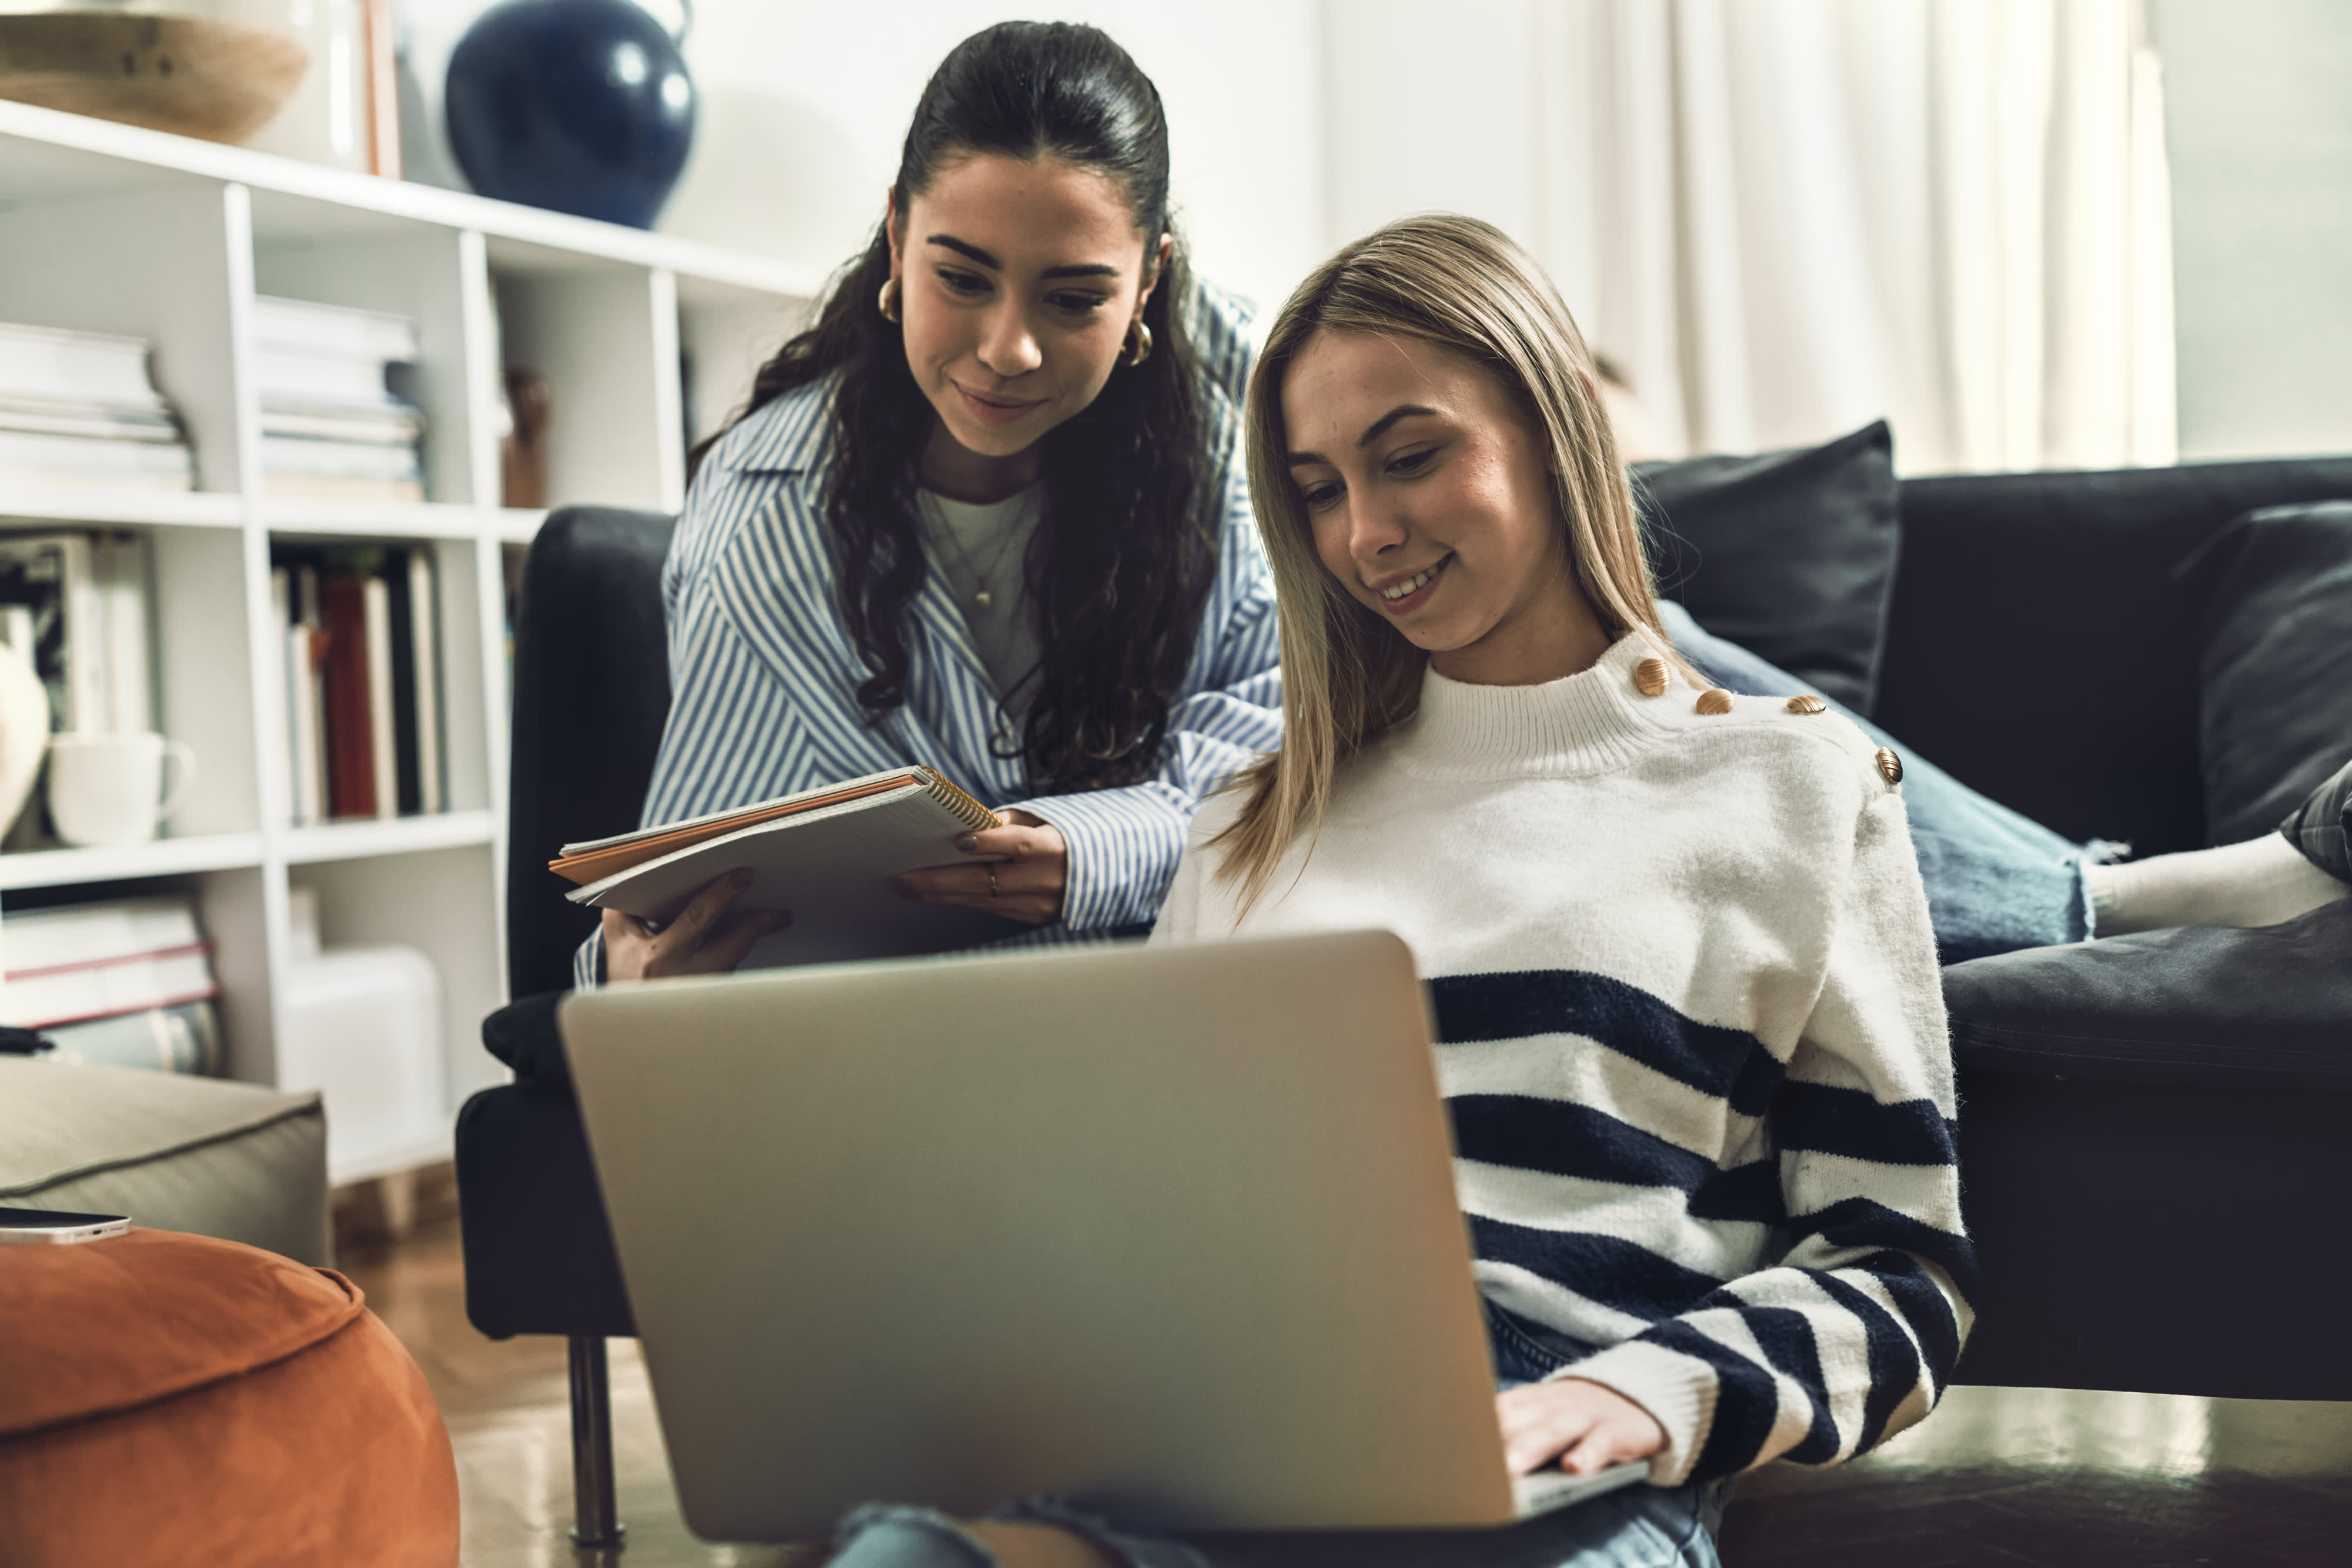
<point x="1676" y="1389"/>
<point x="588" y="962"/>
<point x="1124" y="845"/>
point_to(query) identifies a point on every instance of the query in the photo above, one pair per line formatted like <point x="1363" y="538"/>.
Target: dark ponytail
<point x="1123" y="556"/>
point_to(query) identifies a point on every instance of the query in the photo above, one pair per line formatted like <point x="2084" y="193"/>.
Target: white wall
<point x="1433" y="108"/>
<point x="2258" y="100"/>
<point x="804" y="107"/>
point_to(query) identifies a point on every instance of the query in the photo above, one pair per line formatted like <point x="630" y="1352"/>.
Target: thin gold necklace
<point x="946" y="530"/>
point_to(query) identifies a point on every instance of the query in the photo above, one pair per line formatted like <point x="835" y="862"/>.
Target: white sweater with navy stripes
<point x="1691" y="1038"/>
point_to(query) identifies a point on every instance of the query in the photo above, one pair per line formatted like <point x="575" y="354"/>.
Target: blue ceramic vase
<point x="581" y="105"/>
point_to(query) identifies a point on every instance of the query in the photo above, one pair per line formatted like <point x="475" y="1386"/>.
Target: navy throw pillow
<point x="2275" y="698"/>
<point x="1788" y="554"/>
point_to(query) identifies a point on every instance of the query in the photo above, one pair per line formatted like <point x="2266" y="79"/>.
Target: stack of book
<point x="334" y="422"/>
<point x="78" y="408"/>
<point x="76" y="604"/>
<point x="127" y="983"/>
<point x="364" y="701"/>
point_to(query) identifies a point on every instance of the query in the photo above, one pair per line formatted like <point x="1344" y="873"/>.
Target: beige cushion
<point x="171" y="1152"/>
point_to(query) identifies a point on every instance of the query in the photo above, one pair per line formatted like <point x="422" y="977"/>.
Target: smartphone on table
<point x="40" y="1224"/>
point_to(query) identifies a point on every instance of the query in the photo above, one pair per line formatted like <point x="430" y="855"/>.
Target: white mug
<point x="105" y="789"/>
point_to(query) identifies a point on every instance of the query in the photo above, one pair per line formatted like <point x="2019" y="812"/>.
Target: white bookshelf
<point x="110" y="228"/>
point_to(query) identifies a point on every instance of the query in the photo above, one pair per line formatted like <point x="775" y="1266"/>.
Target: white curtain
<point x="1788" y="217"/>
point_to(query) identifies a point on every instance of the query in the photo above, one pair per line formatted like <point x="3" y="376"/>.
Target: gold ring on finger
<point x="993" y="891"/>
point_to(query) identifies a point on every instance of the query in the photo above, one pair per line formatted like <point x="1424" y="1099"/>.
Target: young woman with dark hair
<point x="987" y="514"/>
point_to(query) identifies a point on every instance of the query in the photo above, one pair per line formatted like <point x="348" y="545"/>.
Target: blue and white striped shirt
<point x="765" y="675"/>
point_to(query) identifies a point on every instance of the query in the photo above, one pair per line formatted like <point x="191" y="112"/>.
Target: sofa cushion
<point x="2274" y="710"/>
<point x="2268" y="1005"/>
<point x="1789" y="554"/>
<point x="176" y="1153"/>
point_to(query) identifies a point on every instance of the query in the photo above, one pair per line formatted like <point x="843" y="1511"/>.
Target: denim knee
<point x="890" y="1535"/>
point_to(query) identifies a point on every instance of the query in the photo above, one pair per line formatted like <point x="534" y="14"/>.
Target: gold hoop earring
<point x="887" y="300"/>
<point x="1139" y="343"/>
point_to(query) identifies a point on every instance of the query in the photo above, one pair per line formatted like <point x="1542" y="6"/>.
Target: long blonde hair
<point x="1347" y="676"/>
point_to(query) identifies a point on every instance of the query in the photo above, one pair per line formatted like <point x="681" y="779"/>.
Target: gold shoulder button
<point x="1650" y="677"/>
<point x="1890" y="766"/>
<point x="1715" y="700"/>
<point x="1807" y="704"/>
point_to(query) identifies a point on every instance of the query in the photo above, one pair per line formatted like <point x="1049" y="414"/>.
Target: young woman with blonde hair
<point x="1679" y="957"/>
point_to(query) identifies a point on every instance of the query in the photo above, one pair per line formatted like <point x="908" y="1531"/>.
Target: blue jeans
<point x="1633" y="1526"/>
<point x="1996" y="881"/>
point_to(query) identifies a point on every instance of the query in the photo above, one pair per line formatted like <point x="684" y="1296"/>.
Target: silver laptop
<point x="1168" y="1230"/>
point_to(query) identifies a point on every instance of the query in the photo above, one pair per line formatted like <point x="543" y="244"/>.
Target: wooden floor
<point x="1997" y="1477"/>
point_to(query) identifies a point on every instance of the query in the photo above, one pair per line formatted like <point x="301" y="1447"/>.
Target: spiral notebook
<point x="826" y="854"/>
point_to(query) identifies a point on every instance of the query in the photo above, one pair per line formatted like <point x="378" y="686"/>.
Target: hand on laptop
<point x="705" y="939"/>
<point x="1028" y="886"/>
<point x="1585" y="1426"/>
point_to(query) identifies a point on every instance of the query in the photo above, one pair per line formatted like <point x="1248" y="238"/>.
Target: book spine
<point x="89" y="366"/>
<point x="13" y="477"/>
<point x="181" y="1039"/>
<point x="384" y="754"/>
<point x="384" y="91"/>
<point x="195" y="947"/>
<point x="400" y="641"/>
<point x="120" y="986"/>
<point x="89" y="422"/>
<point x="121" y="569"/>
<point x="286" y="689"/>
<point x="84" y="935"/>
<point x="309" y="614"/>
<point x="350" y="732"/>
<point x="334" y="332"/>
<point x="334" y="487"/>
<point x="85" y="645"/>
<point x="425" y="643"/>
<point x="298" y="376"/>
<point x="310" y="455"/>
<point x="84" y="457"/>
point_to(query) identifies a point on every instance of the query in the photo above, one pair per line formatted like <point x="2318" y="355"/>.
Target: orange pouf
<point x="169" y="1399"/>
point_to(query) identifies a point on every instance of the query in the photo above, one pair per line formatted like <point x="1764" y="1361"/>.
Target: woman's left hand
<point x="1028" y="873"/>
<point x="1585" y="1426"/>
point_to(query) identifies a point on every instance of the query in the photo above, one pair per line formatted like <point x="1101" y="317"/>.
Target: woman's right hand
<point x="705" y="938"/>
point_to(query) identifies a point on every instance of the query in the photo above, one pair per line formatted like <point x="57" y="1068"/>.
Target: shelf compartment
<point x="169" y="265"/>
<point x="123" y="863"/>
<point x="429" y="901"/>
<point x="604" y="338"/>
<point x="386" y="836"/>
<point x="433" y="277"/>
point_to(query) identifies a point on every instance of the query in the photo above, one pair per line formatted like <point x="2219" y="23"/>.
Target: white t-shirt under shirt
<point x="984" y="551"/>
